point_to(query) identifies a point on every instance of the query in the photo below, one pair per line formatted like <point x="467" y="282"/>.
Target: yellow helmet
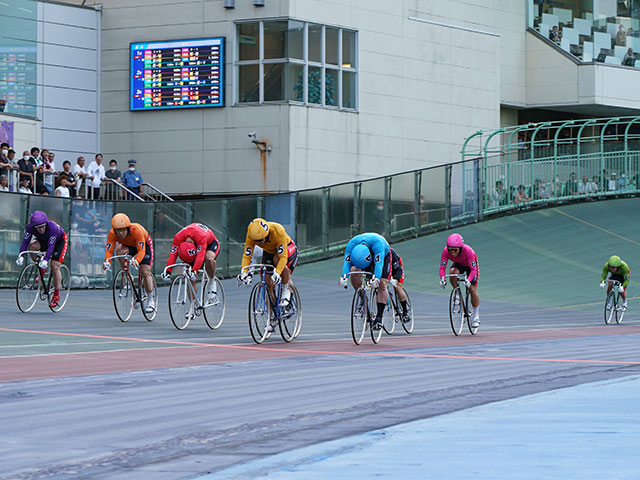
<point x="258" y="229"/>
<point x="120" y="220"/>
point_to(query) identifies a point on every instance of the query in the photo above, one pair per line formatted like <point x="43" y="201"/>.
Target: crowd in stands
<point x="36" y="173"/>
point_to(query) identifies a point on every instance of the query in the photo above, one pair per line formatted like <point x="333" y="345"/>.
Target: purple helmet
<point x="455" y="241"/>
<point x="38" y="218"/>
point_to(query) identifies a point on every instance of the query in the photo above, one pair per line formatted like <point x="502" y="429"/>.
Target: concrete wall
<point x="68" y="80"/>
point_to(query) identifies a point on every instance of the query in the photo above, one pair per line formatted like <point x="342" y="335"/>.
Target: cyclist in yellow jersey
<point x="279" y="250"/>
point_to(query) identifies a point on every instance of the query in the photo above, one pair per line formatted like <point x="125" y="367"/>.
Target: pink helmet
<point x="455" y="240"/>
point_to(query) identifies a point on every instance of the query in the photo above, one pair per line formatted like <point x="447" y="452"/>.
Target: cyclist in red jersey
<point x="197" y="245"/>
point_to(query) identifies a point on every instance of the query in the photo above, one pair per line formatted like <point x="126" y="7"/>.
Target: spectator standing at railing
<point x="555" y="35"/>
<point x="498" y="195"/>
<point x="97" y="173"/>
<point x="62" y="190"/>
<point x="521" y="195"/>
<point x="540" y="190"/>
<point x="24" y="186"/>
<point x="72" y="181"/>
<point x="49" y="169"/>
<point x="132" y="178"/>
<point x="27" y="168"/>
<point x="4" y="159"/>
<point x="80" y="173"/>
<point x="113" y="174"/>
<point x="571" y="187"/>
<point x="4" y="183"/>
<point x="621" y="36"/>
<point x="629" y="59"/>
<point x="37" y="185"/>
<point x="586" y="186"/>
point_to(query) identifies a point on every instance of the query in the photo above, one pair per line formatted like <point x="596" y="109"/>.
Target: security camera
<point x="252" y="134"/>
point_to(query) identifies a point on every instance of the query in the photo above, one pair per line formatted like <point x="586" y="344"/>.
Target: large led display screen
<point x="177" y="74"/>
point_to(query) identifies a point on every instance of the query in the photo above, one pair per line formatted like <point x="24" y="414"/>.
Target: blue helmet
<point x="38" y="218"/>
<point x="361" y="256"/>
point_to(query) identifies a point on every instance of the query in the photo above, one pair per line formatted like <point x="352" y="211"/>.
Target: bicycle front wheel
<point x="619" y="315"/>
<point x="123" y="296"/>
<point x="291" y="316"/>
<point x="181" y="311"/>
<point x="456" y="312"/>
<point x="214" y="312"/>
<point x="259" y="313"/>
<point x="28" y="288"/>
<point x="409" y="323"/>
<point x="609" y="307"/>
<point x="359" y="312"/>
<point x="376" y="333"/>
<point x="149" y="310"/>
<point x="389" y="316"/>
<point x="65" y="286"/>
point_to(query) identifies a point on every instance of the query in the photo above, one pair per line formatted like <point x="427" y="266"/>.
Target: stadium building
<point x="296" y="94"/>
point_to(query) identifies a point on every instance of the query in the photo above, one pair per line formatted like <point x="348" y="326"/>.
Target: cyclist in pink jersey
<point x="464" y="260"/>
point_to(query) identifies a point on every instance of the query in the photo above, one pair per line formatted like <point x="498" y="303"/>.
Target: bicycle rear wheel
<point x="214" y="313"/>
<point x="145" y="297"/>
<point x="359" y="312"/>
<point x="259" y="313"/>
<point x="28" y="288"/>
<point x="291" y="316"/>
<point x="123" y="296"/>
<point x="409" y="324"/>
<point x="456" y="312"/>
<point x="609" y="307"/>
<point x="65" y="286"/>
<point x="389" y="315"/>
<point x="180" y="303"/>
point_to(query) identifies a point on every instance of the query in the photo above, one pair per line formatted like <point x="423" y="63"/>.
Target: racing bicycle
<point x="459" y="306"/>
<point x="32" y="284"/>
<point x="128" y="295"/>
<point x="393" y="311"/>
<point x="266" y="311"/>
<point x="613" y="304"/>
<point x="363" y="308"/>
<point x="188" y="300"/>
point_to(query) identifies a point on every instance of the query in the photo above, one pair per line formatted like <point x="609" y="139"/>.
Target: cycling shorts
<point x="467" y="270"/>
<point x="386" y="267"/>
<point x="214" y="247"/>
<point x="148" y="252"/>
<point x="292" y="259"/>
<point x="618" y="278"/>
<point x="397" y="270"/>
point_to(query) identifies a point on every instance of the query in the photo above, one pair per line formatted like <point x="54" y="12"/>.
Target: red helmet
<point x="455" y="240"/>
<point x="187" y="252"/>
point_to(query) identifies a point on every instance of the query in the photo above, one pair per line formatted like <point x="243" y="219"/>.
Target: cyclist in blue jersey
<point x="369" y="252"/>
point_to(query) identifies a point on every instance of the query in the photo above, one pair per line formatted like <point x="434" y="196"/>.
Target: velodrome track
<point x="85" y="396"/>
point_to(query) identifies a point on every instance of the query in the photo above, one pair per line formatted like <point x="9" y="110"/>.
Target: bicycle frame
<point x="461" y="277"/>
<point x="136" y="290"/>
<point x="264" y="270"/>
<point x="195" y="295"/>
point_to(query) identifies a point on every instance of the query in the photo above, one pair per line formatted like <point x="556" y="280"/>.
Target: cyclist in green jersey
<point x="619" y="271"/>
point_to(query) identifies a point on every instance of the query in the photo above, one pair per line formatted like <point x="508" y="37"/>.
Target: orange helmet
<point x="120" y="220"/>
<point x="258" y="229"/>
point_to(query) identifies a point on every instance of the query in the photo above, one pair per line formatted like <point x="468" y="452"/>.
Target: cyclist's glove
<point x="343" y="281"/>
<point x="166" y="275"/>
<point x="134" y="263"/>
<point x="19" y="261"/>
<point x="43" y="264"/>
<point x="393" y="282"/>
<point x="276" y="278"/>
<point x="244" y="279"/>
<point x="621" y="289"/>
<point x="193" y="276"/>
<point x="443" y="282"/>
<point x="467" y="283"/>
<point x="375" y="282"/>
<point x="106" y="266"/>
<point x="602" y="285"/>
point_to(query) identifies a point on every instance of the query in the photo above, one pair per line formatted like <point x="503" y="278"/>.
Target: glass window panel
<point x="315" y="43"/>
<point x="211" y="213"/>
<point x="248" y="83"/>
<point x="401" y="210"/>
<point x="348" y="90"/>
<point x="372" y="206"/>
<point x="295" y="43"/>
<point x="248" y="41"/>
<point x="294" y="82"/>
<point x="13" y="217"/>
<point x="273" y="82"/>
<point x="275" y="39"/>
<point x="331" y="45"/>
<point x="331" y="87"/>
<point x="348" y="49"/>
<point x="341" y="214"/>
<point x="309" y="221"/>
<point x="315" y="85"/>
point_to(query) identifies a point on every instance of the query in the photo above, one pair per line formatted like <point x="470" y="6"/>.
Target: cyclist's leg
<point x="55" y="273"/>
<point x="210" y="263"/>
<point x="454" y="280"/>
<point x="356" y="280"/>
<point x="34" y="246"/>
<point x="145" y="271"/>
<point x="123" y="250"/>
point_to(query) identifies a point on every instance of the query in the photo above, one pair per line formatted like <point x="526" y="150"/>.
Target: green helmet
<point x="615" y="261"/>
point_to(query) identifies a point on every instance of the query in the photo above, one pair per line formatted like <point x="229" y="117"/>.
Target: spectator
<point x="621" y="36"/>
<point x="4" y="159"/>
<point x="613" y="182"/>
<point x="629" y="59"/>
<point x="498" y="195"/>
<point x="622" y="182"/>
<point x="113" y="174"/>
<point x="630" y="32"/>
<point x="24" y="186"/>
<point x="49" y="169"/>
<point x="595" y="183"/>
<point x="521" y="195"/>
<point x="132" y="179"/>
<point x="555" y="35"/>
<point x="27" y="168"/>
<point x="512" y="194"/>
<point x="540" y="190"/>
<point x="571" y="187"/>
<point x="97" y="173"/>
<point x="62" y="190"/>
<point x="586" y="186"/>
<point x="72" y="181"/>
<point x="4" y="183"/>
<point x="85" y="217"/>
<point x="80" y="173"/>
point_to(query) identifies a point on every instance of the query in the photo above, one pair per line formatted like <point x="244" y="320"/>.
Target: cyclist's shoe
<point x="212" y="298"/>
<point x="623" y="307"/>
<point x="124" y="291"/>
<point x="377" y="324"/>
<point x="191" y="313"/>
<point x="151" y="306"/>
<point x="285" y="297"/>
<point x="475" y="323"/>
<point x="55" y="300"/>
<point x="406" y="317"/>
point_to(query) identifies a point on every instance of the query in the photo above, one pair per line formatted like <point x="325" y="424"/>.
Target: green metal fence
<point x="321" y="221"/>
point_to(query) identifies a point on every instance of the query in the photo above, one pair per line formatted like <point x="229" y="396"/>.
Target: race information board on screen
<point x="177" y="74"/>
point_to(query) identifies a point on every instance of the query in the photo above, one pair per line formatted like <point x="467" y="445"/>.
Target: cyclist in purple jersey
<point x="41" y="232"/>
<point x="464" y="260"/>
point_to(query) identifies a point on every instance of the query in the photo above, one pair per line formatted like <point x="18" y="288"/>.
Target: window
<point x="298" y="62"/>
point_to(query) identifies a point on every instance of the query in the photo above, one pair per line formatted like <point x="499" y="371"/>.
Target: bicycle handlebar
<point x="128" y="257"/>
<point x="459" y="276"/>
<point x="32" y="252"/>
<point x="360" y="272"/>
<point x="615" y="282"/>
<point x="254" y="267"/>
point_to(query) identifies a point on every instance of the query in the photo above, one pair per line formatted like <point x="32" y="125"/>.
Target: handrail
<point x="122" y="187"/>
<point x="164" y="195"/>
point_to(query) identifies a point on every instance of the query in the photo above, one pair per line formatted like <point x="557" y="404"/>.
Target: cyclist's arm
<point x="53" y="239"/>
<point x="141" y="243"/>
<point x="197" y="264"/>
<point x="378" y="260"/>
<point x="605" y="271"/>
<point x="346" y="267"/>
<point x="28" y="233"/>
<point x="248" y="250"/>
<point x="283" y="256"/>
<point x="177" y="240"/>
<point x="111" y="245"/>
<point x="626" y="273"/>
<point x="444" y="259"/>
